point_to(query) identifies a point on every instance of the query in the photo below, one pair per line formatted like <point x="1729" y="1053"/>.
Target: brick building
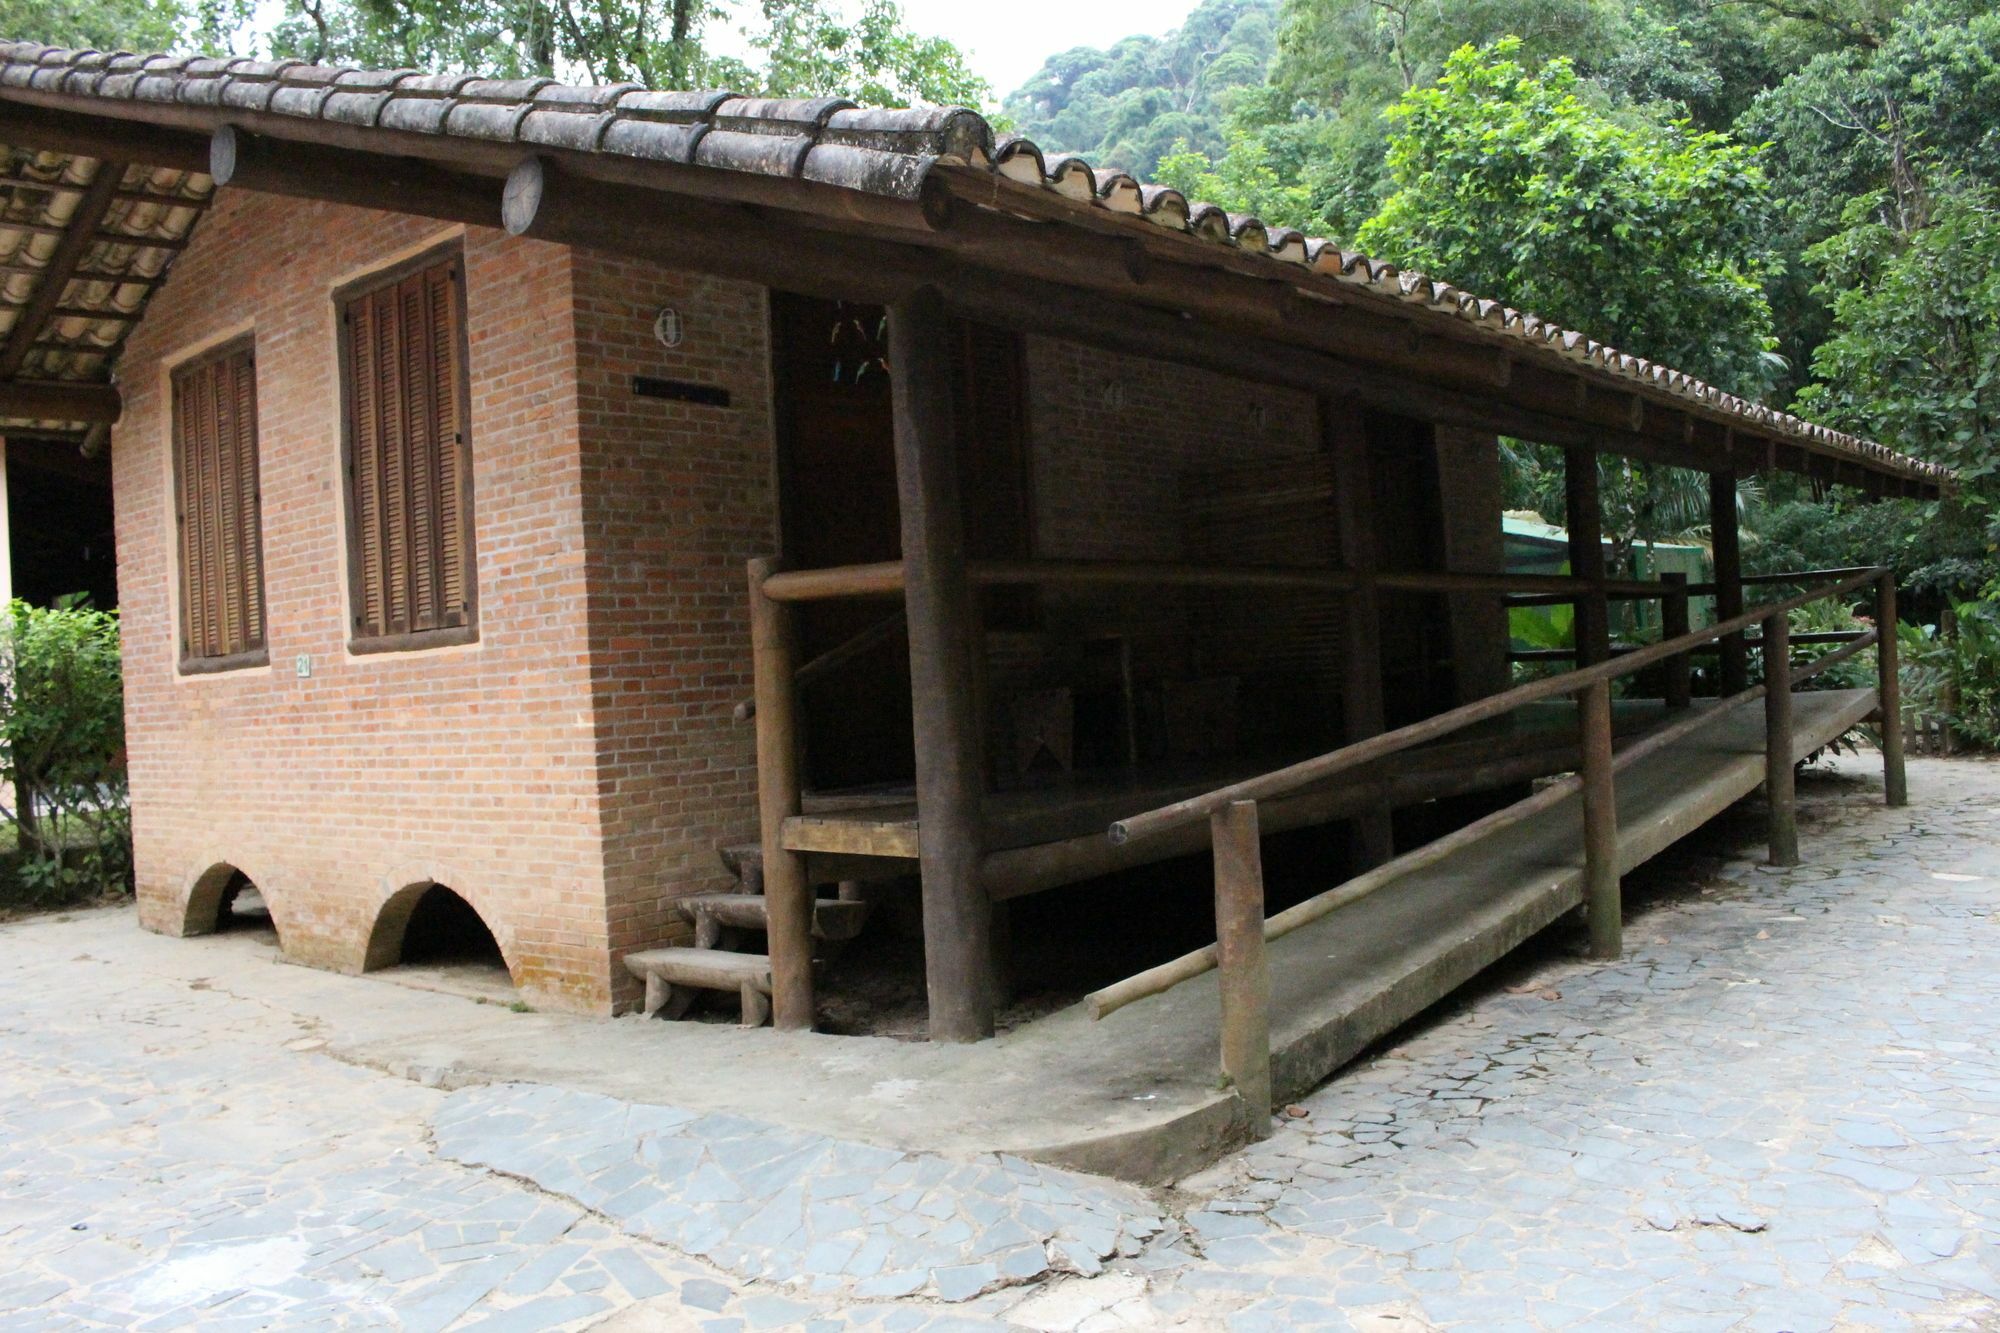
<point x="449" y="413"/>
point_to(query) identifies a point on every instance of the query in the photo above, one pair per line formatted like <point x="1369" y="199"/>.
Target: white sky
<point x="1005" y="43"/>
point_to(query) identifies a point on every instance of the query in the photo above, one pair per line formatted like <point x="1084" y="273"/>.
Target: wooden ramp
<point x="1345" y="981"/>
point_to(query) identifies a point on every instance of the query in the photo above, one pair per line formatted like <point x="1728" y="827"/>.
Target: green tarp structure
<point x="1534" y="547"/>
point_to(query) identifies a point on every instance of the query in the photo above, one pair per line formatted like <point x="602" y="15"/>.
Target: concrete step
<point x="671" y="975"/>
<point x="713" y="912"/>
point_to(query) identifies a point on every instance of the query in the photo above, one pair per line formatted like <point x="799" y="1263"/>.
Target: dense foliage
<point x="62" y="759"/>
<point x="1508" y="181"/>
<point x="1130" y="105"/>
<point x="1797" y="199"/>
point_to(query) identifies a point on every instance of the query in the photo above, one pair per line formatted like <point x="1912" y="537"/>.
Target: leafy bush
<point x="62" y="753"/>
<point x="1955" y="674"/>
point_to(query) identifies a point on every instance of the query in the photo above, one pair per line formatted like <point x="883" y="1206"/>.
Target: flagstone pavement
<point x="1781" y="1111"/>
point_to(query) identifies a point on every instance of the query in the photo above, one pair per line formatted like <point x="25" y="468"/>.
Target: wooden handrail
<point x="837" y="656"/>
<point x="1320" y="767"/>
<point x="1802" y="576"/>
<point x="1816" y="636"/>
<point x="886" y="578"/>
<point x="1232" y="811"/>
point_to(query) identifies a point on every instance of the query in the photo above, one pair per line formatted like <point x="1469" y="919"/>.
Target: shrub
<point x="1955" y="675"/>
<point x="62" y="753"/>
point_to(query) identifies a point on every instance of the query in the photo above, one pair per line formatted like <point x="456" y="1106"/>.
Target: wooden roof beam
<point x="57" y="400"/>
<point x="101" y="137"/>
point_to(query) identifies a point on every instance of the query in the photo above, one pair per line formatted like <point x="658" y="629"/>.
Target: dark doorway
<point x="838" y="506"/>
<point x="1417" y="677"/>
<point x="59" y="523"/>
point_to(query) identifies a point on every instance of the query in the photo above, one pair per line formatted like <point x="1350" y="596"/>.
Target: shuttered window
<point x="216" y="511"/>
<point x="409" y="474"/>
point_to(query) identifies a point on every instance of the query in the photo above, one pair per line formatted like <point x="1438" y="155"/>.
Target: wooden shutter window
<point x="409" y="471"/>
<point x="217" y="511"/>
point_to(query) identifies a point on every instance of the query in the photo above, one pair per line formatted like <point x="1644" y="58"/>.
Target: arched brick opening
<point x="224" y="899"/>
<point x="428" y="922"/>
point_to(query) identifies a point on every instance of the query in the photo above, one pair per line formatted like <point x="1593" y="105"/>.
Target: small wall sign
<point x="667" y="327"/>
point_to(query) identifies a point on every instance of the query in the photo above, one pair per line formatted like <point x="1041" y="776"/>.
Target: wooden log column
<point x="1779" y="790"/>
<point x="1245" y="971"/>
<point x="958" y="960"/>
<point x="1679" y="690"/>
<point x="1727" y="545"/>
<point x="1344" y="434"/>
<point x="1602" y="893"/>
<point x="787" y="895"/>
<point x="1584" y="517"/>
<point x="1889" y="693"/>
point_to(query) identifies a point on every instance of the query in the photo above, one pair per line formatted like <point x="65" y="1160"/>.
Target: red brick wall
<point x="678" y="497"/>
<point x="471" y="766"/>
<point x="578" y="767"/>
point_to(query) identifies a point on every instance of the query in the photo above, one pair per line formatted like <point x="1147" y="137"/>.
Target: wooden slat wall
<point x="217" y="506"/>
<point x="409" y="512"/>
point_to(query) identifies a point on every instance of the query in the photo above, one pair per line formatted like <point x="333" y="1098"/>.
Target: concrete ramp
<point x="1350" y="978"/>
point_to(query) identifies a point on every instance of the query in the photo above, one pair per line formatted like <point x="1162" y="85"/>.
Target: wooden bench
<point x="672" y="976"/>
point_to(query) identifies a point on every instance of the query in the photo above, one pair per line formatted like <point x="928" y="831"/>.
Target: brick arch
<point x="384" y="947"/>
<point x="201" y="897"/>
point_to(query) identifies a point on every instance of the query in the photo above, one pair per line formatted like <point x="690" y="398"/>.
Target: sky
<point x="1006" y="43"/>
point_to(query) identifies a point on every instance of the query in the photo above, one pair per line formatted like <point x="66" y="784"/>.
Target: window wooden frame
<point x="369" y="630"/>
<point x="238" y="568"/>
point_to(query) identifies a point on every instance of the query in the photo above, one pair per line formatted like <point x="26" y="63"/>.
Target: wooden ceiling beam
<point x="79" y="236"/>
<point x="57" y="400"/>
<point x="88" y="135"/>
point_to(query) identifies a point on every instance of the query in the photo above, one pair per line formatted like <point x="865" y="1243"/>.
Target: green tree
<point x="62" y="750"/>
<point x="126" y="25"/>
<point x="813" y="50"/>
<point x="816" y="48"/>
<point x="1510" y="184"/>
<point x="1130" y="105"/>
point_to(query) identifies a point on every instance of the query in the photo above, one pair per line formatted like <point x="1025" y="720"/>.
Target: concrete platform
<point x="1135" y="1095"/>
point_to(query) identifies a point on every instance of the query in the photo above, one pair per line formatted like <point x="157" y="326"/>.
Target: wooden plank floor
<point x="1542" y="736"/>
<point x="1352" y="977"/>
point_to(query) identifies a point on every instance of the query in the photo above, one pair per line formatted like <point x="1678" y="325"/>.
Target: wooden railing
<point x="1231" y="812"/>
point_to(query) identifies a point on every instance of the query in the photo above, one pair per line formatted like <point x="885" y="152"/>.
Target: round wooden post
<point x="1889" y="692"/>
<point x="1245" y="973"/>
<point x="944" y="686"/>
<point x="1725" y="541"/>
<point x="1602" y="894"/>
<point x="787" y="895"/>
<point x="1778" y="784"/>
<point x="1673" y="624"/>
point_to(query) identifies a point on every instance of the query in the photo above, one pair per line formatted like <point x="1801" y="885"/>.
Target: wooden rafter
<point x="80" y="235"/>
<point x="53" y="400"/>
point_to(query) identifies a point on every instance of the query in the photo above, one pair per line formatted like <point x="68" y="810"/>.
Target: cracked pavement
<point x="1778" y="1112"/>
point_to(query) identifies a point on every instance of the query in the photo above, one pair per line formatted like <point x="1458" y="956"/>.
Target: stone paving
<point x="765" y="1202"/>
<point x="1779" y="1112"/>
